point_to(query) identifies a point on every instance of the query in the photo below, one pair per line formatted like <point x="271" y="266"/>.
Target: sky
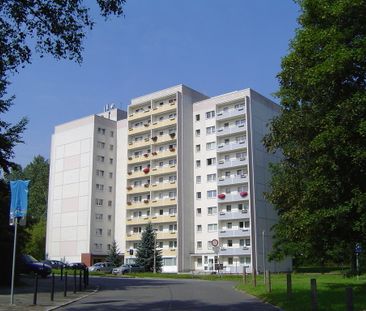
<point x="213" y="46"/>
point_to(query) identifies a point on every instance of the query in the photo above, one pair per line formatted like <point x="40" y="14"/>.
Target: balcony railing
<point x="228" y="233"/>
<point x="230" y="130"/>
<point x="164" y="186"/>
<point x="221" y="164"/>
<point x="163" y="123"/>
<point x="164" y="108"/>
<point x="222" y="181"/>
<point x="230" y="113"/>
<point x="139" y="115"/>
<point x="231" y="146"/>
<point x="163" y="202"/>
<point x="231" y="197"/>
<point x="163" y="170"/>
<point x="231" y="251"/>
<point x="233" y="215"/>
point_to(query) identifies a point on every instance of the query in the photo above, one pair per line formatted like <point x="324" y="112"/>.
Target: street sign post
<point x="358" y="251"/>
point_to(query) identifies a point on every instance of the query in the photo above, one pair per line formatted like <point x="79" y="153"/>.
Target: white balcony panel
<point x="234" y="233"/>
<point x="229" y="114"/>
<point x="229" y="164"/>
<point x="232" y="181"/>
<point x="235" y="251"/>
<point x="231" y="130"/>
<point x="231" y="146"/>
<point x="233" y="215"/>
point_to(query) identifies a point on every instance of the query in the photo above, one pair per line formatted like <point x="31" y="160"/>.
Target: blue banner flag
<point x="19" y="199"/>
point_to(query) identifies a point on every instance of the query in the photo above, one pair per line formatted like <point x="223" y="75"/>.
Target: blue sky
<point x="213" y="46"/>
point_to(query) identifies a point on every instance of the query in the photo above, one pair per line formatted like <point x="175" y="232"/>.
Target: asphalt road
<point x="158" y="294"/>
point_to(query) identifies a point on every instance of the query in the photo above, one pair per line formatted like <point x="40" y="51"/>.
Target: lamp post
<point x="264" y="258"/>
<point x="154" y="269"/>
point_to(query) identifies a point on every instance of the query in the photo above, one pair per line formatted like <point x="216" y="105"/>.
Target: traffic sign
<point x="358" y="248"/>
<point x="215" y="242"/>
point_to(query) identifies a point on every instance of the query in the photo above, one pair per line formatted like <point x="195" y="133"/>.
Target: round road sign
<point x="215" y="242"/>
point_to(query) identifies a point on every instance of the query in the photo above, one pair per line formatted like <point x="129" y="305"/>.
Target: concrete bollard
<point x="289" y="284"/>
<point x="245" y="275"/>
<point x="65" y="285"/>
<point x="268" y="280"/>
<point x="53" y="287"/>
<point x="349" y="299"/>
<point x="80" y="278"/>
<point x="74" y="281"/>
<point x="35" y="293"/>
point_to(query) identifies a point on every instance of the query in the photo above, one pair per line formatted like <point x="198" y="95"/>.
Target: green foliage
<point x="114" y="255"/>
<point x="36" y="242"/>
<point x="145" y="251"/>
<point x="319" y="188"/>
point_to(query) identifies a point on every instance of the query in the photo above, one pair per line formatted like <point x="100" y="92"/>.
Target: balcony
<point x="230" y="114"/>
<point x="140" y="129"/>
<point x="138" y="189"/>
<point x="233" y="215"/>
<point x="163" y="170"/>
<point x="164" y="186"/>
<point x="133" y="237"/>
<point x="231" y="251"/>
<point x="139" y="159"/>
<point x="163" y="202"/>
<point x="230" y="130"/>
<point x="221" y="164"/>
<point x="140" y="204"/>
<point x="232" y="146"/>
<point x="163" y="123"/>
<point x="139" y="144"/>
<point x="136" y="174"/>
<point x="228" y="233"/>
<point x="170" y="235"/>
<point x="137" y="221"/>
<point x="163" y="219"/>
<point x="232" y="198"/>
<point x="164" y="154"/>
<point x="167" y="138"/>
<point x="139" y="115"/>
<point x="169" y="252"/>
<point x="167" y="107"/>
<point x="222" y="181"/>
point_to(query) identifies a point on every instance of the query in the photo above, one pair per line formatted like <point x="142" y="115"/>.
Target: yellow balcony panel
<point x="139" y="144"/>
<point x="171" y="235"/>
<point x="139" y="115"/>
<point x="133" y="237"/>
<point x="137" y="174"/>
<point x="164" y="108"/>
<point x="142" y="204"/>
<point x="164" y="123"/>
<point x="169" y="252"/>
<point x="164" y="154"/>
<point x="143" y="158"/>
<point x="163" y="170"/>
<point x="139" y="189"/>
<point x="137" y="221"/>
<point x="163" y="202"/>
<point x="140" y="129"/>
<point x="163" y="186"/>
<point x="163" y="219"/>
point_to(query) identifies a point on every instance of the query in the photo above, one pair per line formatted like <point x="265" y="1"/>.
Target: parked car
<point x="32" y="265"/>
<point x="56" y="264"/>
<point x="127" y="268"/>
<point x="101" y="266"/>
<point x="77" y="266"/>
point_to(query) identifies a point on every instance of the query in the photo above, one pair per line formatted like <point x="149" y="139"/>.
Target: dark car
<point x="32" y="265"/>
<point x="56" y="264"/>
<point x="77" y="266"/>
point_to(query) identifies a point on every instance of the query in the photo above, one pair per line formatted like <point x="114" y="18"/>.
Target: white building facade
<point x="193" y="166"/>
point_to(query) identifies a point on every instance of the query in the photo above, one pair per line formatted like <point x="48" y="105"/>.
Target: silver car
<point x="101" y="266"/>
<point x="127" y="269"/>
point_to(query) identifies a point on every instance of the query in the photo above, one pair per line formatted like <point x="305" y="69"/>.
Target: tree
<point x="146" y="250"/>
<point x="318" y="188"/>
<point x="114" y="255"/>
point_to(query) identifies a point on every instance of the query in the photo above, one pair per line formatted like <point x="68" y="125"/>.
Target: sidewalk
<point x="23" y="294"/>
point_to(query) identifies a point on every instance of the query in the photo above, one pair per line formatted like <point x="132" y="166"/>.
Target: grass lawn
<point x="331" y="291"/>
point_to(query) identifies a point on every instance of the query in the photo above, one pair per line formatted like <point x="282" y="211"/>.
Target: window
<point x="109" y="217"/>
<point x="228" y="208"/>
<point x="229" y="243"/>
<point x="211" y="194"/>
<point x="110" y="175"/>
<point x="240" y="155"/>
<point x="198" y="133"/>
<point x="240" y="139"/>
<point x="99" y="217"/>
<point x="210" y="130"/>
<point x="199" y="262"/>
<point x="227" y="141"/>
<point x="246" y="224"/>
<point x="228" y="190"/>
<point x="247" y="242"/>
<point x="199" y="244"/>
<point x="161" y="212"/>
<point x="109" y="203"/>
<point x="210" y="145"/>
<point x="100" y="145"/>
<point x="172" y="211"/>
<point x="98" y="232"/>
<point x="173" y="227"/>
<point x="239" y="122"/>
<point x="161" y="244"/>
<point x="137" y="229"/>
<point x="109" y="232"/>
<point x="211" y="161"/>
<point x="98" y="246"/>
<point x="209" y="244"/>
<point x="199" y="228"/>
<point x="111" y="134"/>
<point x="211" y="177"/>
<point x="198" y="163"/>
<point x="212" y="227"/>
<point x="101" y="131"/>
<point x="172" y="244"/>
<point x="100" y="173"/>
<point x="100" y="158"/>
<point x="172" y="178"/>
<point x="171" y="194"/>
<point x="210" y="114"/>
<point x="99" y="202"/>
<point x="99" y="187"/>
<point x="199" y="211"/>
<point x="212" y="210"/>
<point x="229" y="225"/>
<point x="198" y="148"/>
<point x="198" y="117"/>
<point x="110" y="161"/>
<point x="241" y="242"/>
<point x="111" y="147"/>
<point x="198" y="179"/>
<point x="230" y="260"/>
<point x="198" y="195"/>
<point x="109" y="247"/>
<point x="110" y="188"/>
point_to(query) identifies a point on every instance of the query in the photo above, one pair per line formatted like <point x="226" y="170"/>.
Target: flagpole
<point x="14" y="254"/>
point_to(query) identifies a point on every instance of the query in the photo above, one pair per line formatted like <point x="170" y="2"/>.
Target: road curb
<point x="74" y="300"/>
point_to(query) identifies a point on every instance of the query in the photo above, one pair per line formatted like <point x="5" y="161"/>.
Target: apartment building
<point x="193" y="166"/>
